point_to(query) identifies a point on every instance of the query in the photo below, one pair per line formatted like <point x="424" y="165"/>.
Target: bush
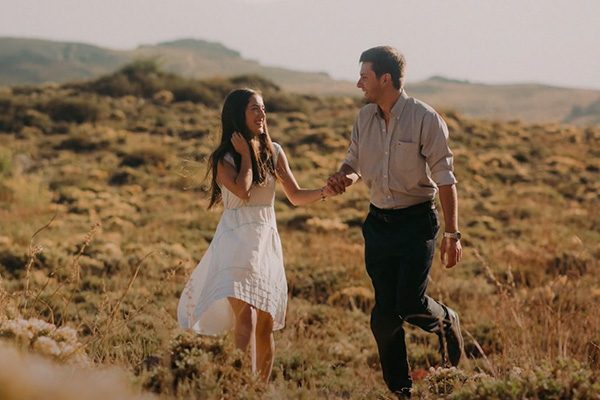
<point x="144" y="78"/>
<point x="72" y="110"/>
<point x="123" y="176"/>
<point x="487" y="337"/>
<point x="196" y="93"/>
<point x="83" y="142"/>
<point x="13" y="260"/>
<point x="443" y="381"/>
<point x="38" y="120"/>
<point x="145" y="155"/>
<point x="199" y="365"/>
<point x="45" y="339"/>
<point x="285" y="102"/>
<point x="15" y="114"/>
<point x="5" y="163"/>
<point x="256" y="82"/>
<point x="353" y="298"/>
<point x="563" y="380"/>
<point x="141" y="78"/>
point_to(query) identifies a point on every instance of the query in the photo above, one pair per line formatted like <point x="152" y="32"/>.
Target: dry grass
<point x="129" y="224"/>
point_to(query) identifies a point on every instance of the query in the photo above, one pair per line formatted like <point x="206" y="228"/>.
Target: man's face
<point x="368" y="82"/>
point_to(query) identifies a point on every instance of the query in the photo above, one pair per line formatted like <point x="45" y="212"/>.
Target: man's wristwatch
<point x="453" y="235"/>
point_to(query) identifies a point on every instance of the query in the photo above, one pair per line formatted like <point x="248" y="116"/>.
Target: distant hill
<point x="32" y="61"/>
<point x="27" y="61"/>
<point x="527" y="102"/>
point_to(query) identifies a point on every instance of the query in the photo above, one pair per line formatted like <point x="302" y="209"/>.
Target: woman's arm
<point x="238" y="183"/>
<point x="295" y="193"/>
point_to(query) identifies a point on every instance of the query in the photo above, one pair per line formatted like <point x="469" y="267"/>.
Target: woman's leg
<point x="245" y="327"/>
<point x="265" y="344"/>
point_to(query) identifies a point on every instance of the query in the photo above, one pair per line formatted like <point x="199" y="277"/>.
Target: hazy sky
<point x="493" y="41"/>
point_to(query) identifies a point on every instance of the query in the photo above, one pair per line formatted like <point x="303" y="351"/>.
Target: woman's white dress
<point x="244" y="260"/>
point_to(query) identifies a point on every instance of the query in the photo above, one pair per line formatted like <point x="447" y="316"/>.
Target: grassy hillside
<point x="103" y="217"/>
<point x="527" y="102"/>
<point x="24" y="61"/>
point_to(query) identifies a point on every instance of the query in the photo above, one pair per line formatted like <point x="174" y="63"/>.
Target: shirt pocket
<point x="405" y="157"/>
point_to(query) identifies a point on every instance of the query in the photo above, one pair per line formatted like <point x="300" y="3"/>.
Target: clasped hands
<point x="337" y="184"/>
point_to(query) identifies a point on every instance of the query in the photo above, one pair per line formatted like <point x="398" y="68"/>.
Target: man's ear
<point x="386" y="78"/>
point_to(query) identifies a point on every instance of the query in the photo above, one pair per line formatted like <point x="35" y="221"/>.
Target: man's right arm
<point x="345" y="177"/>
<point x="348" y="172"/>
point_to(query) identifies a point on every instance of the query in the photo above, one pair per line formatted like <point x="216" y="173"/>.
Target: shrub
<point x="38" y="120"/>
<point x="13" y="260"/>
<point x="45" y="339"/>
<point x="72" y="110"/>
<point x="17" y="113"/>
<point x="83" y="142"/>
<point x="199" y="365"/>
<point x="141" y="78"/>
<point x="124" y="176"/>
<point x="563" y="380"/>
<point x="144" y="155"/>
<point x="487" y="337"/>
<point x="256" y="82"/>
<point x="285" y="102"/>
<point x="353" y="298"/>
<point x="315" y="285"/>
<point x="196" y="93"/>
<point x="163" y="97"/>
<point x="443" y="381"/>
<point x="5" y="163"/>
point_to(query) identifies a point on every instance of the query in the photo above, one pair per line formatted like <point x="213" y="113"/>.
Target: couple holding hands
<point x="399" y="148"/>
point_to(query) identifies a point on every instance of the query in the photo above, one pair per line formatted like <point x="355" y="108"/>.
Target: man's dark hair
<point x="386" y="60"/>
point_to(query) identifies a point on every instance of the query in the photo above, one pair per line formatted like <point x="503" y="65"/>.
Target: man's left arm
<point x="451" y="249"/>
<point x="434" y="141"/>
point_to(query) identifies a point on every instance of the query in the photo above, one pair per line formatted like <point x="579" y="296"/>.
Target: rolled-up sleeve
<point x="352" y="156"/>
<point x="434" y="147"/>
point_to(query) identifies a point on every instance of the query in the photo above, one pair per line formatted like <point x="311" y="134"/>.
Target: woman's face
<point x="256" y="119"/>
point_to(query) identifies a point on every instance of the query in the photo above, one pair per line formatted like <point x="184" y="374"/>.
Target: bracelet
<point x="323" y="194"/>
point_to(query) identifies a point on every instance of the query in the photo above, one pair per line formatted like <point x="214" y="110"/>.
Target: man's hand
<point x="450" y="252"/>
<point x="338" y="182"/>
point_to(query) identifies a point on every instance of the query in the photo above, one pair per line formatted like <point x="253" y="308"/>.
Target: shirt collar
<point x="398" y="106"/>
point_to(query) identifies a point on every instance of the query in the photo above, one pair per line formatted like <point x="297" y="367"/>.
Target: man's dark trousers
<point x="399" y="248"/>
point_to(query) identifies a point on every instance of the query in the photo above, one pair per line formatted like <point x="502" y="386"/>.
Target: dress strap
<point x="229" y="158"/>
<point x="276" y="152"/>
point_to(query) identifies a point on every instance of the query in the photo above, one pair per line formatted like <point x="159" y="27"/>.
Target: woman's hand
<point x="240" y="144"/>
<point x="328" y="191"/>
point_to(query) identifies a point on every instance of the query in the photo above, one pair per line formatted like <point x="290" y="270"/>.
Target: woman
<point x="240" y="282"/>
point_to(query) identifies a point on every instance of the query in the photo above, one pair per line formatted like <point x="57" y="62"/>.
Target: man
<point x="399" y="148"/>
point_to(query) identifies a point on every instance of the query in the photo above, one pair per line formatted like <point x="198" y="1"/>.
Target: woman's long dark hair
<point x="233" y="119"/>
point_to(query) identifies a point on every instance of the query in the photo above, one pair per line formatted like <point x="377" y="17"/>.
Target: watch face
<point x="455" y="235"/>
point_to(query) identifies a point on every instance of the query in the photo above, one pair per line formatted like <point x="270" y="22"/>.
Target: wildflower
<point x="65" y="334"/>
<point x="46" y="346"/>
